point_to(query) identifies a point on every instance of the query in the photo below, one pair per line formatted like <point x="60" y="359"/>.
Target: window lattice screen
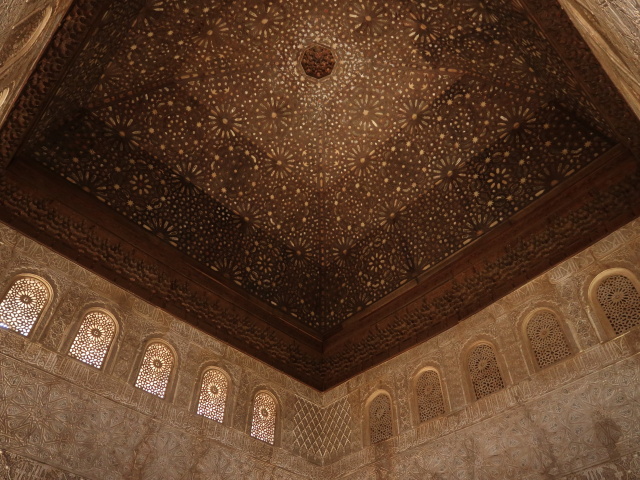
<point x="430" y="398"/>
<point x="263" y="420"/>
<point x="484" y="371"/>
<point x="380" y="420"/>
<point x="155" y="369"/>
<point x="213" y="395"/>
<point x="93" y="339"/>
<point x="23" y="304"/>
<point x="620" y="302"/>
<point x="547" y="339"/>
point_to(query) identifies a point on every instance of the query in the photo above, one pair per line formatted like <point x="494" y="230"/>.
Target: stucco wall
<point x="575" y="419"/>
<point x="58" y="411"/>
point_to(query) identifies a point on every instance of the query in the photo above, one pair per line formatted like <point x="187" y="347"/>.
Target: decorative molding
<point x="572" y="221"/>
<point x="577" y="415"/>
<point x="92" y="246"/>
<point x="581" y="217"/>
<point x="460" y="286"/>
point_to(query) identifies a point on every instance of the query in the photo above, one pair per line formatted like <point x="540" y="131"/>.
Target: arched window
<point x="263" y="419"/>
<point x="380" y="418"/>
<point x="94" y="338"/>
<point x="484" y="371"/>
<point x="155" y="369"/>
<point x="620" y="302"/>
<point x="213" y="395"/>
<point x="23" y="304"/>
<point x="547" y="339"/>
<point x="429" y="393"/>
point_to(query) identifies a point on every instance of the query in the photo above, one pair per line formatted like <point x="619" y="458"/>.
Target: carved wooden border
<point x="559" y="225"/>
<point x="501" y="261"/>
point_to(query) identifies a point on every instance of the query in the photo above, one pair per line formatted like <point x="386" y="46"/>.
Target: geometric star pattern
<point x="439" y="121"/>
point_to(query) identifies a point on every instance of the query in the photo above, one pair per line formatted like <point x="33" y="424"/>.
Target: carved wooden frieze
<point x="321" y="185"/>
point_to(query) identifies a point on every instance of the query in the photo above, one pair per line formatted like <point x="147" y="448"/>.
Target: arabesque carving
<point x="67" y="416"/>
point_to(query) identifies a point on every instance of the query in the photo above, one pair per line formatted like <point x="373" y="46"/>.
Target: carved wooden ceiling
<point x="325" y="162"/>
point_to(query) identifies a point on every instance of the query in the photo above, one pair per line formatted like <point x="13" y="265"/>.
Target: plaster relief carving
<point x="4" y="94"/>
<point x="574" y="419"/>
<point x="23" y="37"/>
<point x="612" y="30"/>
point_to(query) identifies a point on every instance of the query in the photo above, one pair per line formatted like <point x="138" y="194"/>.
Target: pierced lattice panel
<point x="620" y="302"/>
<point x="380" y="420"/>
<point x="155" y="369"/>
<point x="93" y="339"/>
<point x="547" y="339"/>
<point x="263" y="420"/>
<point x="213" y="395"/>
<point x="484" y="371"/>
<point x="430" y="398"/>
<point x="23" y="304"/>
